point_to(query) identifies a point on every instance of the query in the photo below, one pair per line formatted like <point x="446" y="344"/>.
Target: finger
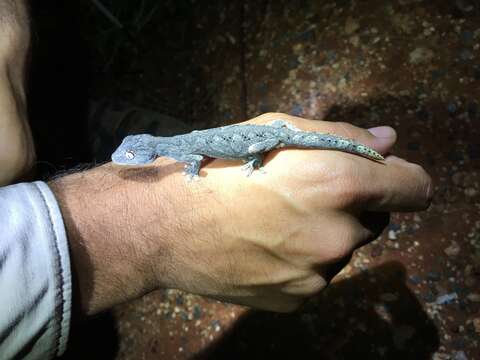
<point x="396" y="185"/>
<point x="364" y="228"/>
<point x="380" y="138"/>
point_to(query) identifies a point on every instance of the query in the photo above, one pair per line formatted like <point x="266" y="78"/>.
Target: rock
<point x="466" y="55"/>
<point x="428" y="297"/>
<point x="453" y="249"/>
<point x="464" y="5"/>
<point x="473" y="151"/>
<point x="197" y="312"/>
<point x="415" y="279"/>
<point x="297" y="48"/>
<point x="472" y="109"/>
<point x="452" y="108"/>
<point x="296" y="110"/>
<point x="351" y="25"/>
<point x="473" y="297"/>
<point x="458" y="329"/>
<point x="465" y="179"/>
<point x="389" y="297"/>
<point x="441" y="356"/>
<point x="467" y="37"/>
<point x="392" y="235"/>
<point x="458" y="177"/>
<point x="476" y="73"/>
<point x="355" y="40"/>
<point x="423" y="113"/>
<point x="470" y="281"/>
<point x="403" y="22"/>
<point x="394" y="226"/>
<point x="421" y="55"/>
<point x="392" y="244"/>
<point x="459" y="355"/>
<point x="433" y="276"/>
<point x="376" y="251"/>
<point x="476" y="325"/>
<point x="413" y="146"/>
<point x="470" y="192"/>
<point x="445" y="299"/>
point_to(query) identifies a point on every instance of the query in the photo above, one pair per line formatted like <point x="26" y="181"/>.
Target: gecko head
<point x="135" y="150"/>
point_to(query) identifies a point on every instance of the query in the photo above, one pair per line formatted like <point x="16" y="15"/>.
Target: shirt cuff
<point x="61" y="267"/>
<point x="35" y="275"/>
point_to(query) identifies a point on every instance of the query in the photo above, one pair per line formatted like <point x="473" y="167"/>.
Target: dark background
<point x="178" y="65"/>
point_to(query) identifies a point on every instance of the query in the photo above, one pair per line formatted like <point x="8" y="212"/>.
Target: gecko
<point x="247" y="142"/>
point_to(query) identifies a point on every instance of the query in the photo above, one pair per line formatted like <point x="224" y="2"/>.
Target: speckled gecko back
<point x="246" y="142"/>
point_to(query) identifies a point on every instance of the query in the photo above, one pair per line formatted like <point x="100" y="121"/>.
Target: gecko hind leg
<point x="254" y="161"/>
<point x="192" y="169"/>
<point x="282" y="123"/>
<point x="255" y="154"/>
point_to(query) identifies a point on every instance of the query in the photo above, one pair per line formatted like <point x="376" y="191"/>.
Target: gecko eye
<point x="130" y="155"/>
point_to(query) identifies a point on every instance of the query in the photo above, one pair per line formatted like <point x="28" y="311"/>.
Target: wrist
<point x="109" y="264"/>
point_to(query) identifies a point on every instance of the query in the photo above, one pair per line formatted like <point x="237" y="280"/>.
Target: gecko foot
<point x="254" y="161"/>
<point x="191" y="177"/>
<point x="248" y="168"/>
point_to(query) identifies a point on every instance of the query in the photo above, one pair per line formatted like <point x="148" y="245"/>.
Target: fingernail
<point x="383" y="132"/>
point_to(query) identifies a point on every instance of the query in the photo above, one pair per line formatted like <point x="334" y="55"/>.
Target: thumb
<point x="384" y="138"/>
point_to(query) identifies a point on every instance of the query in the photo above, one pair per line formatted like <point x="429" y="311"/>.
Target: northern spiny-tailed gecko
<point x="245" y="142"/>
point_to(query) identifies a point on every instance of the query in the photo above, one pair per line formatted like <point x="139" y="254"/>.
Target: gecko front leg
<point x="192" y="161"/>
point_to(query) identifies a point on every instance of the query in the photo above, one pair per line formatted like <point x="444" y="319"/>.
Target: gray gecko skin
<point x="245" y="142"/>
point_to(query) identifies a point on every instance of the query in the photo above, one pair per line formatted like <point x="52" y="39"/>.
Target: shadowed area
<point x="373" y="315"/>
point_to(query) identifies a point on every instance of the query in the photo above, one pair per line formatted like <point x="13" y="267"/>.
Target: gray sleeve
<point x="35" y="279"/>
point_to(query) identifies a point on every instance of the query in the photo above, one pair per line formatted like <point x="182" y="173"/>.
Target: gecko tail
<point x="331" y="142"/>
<point x="368" y="152"/>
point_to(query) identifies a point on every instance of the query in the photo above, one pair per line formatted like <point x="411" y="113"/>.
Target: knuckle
<point x="345" y="184"/>
<point x="269" y="116"/>
<point x="348" y="130"/>
<point x="428" y="191"/>
<point x="305" y="287"/>
<point x="341" y="250"/>
<point x="344" y="243"/>
<point x="425" y="185"/>
<point x="314" y="285"/>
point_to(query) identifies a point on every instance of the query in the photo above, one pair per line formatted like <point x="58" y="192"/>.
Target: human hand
<point x="268" y="241"/>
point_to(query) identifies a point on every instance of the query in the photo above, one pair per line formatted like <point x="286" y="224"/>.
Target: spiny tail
<point x="316" y="140"/>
